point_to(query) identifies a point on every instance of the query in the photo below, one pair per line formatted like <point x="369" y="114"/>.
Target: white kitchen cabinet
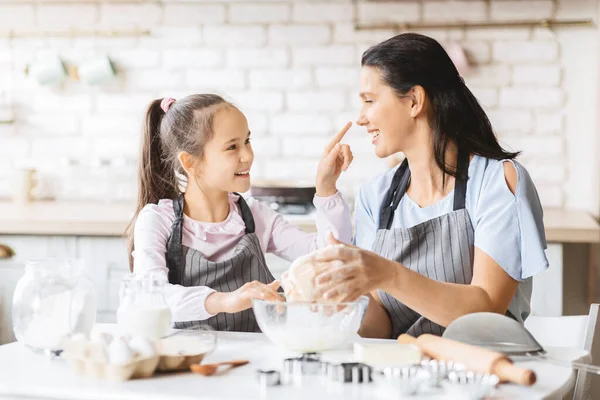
<point x="105" y="258"/>
<point x="547" y="295"/>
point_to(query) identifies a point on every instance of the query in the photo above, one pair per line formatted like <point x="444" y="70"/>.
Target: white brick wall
<point x="17" y="16"/>
<point x="192" y="58"/>
<point x="280" y="78"/>
<point x="126" y="16"/>
<point x="261" y="57"/>
<point x="325" y="55"/>
<point x="258" y="13"/>
<point x="203" y="80"/>
<point x="299" y="34"/>
<point x="389" y="12"/>
<point x="250" y="35"/>
<point x="541" y="75"/>
<point x="192" y="14"/>
<point x="292" y="66"/>
<point x="509" y="10"/>
<point x="517" y="51"/>
<point x="323" y="12"/>
<point x="57" y="16"/>
<point x="438" y="11"/>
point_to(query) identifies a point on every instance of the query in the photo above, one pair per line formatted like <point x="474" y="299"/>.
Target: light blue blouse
<point x="508" y="227"/>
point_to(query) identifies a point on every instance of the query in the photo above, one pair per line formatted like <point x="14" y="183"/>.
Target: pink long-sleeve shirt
<point x="217" y="241"/>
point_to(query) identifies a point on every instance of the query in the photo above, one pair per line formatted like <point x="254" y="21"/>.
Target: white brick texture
<point x="323" y="11"/>
<point x="549" y="123"/>
<point x="304" y="146"/>
<point x="304" y="123"/>
<point x="258" y="100"/>
<point x="109" y="125"/>
<point x="193" y="14"/>
<point x="531" y="97"/>
<point x="280" y="78"/>
<point x="324" y="55"/>
<point x="259" y="57"/>
<point x="205" y="80"/>
<point x="337" y="77"/>
<point x="346" y="33"/>
<point x="380" y="12"/>
<point x="128" y="16"/>
<point x="136" y="58"/>
<point x="442" y="11"/>
<point x="259" y="13"/>
<point x="489" y="75"/>
<point x="292" y="66"/>
<point x="511" y="121"/>
<point x="539" y="75"/>
<point x="173" y="36"/>
<point x="192" y="58"/>
<point x="266" y="146"/>
<point x="518" y="51"/>
<point x="61" y="16"/>
<point x="316" y="101"/>
<point x="299" y="34"/>
<point x="16" y="16"/>
<point x="249" y="35"/>
<point x="510" y="10"/>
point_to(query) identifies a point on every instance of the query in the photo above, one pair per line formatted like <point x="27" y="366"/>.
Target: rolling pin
<point x="474" y="358"/>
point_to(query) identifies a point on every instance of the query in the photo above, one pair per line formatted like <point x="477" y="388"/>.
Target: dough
<point x="298" y="281"/>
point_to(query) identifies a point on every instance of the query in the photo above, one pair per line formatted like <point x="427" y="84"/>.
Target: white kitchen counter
<point x="25" y="374"/>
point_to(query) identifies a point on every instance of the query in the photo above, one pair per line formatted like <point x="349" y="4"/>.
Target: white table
<point x="26" y="374"/>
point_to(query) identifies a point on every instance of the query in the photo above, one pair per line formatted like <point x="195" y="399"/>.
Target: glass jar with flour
<point x="52" y="300"/>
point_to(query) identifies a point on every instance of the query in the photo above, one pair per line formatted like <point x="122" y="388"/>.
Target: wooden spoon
<point x="210" y="369"/>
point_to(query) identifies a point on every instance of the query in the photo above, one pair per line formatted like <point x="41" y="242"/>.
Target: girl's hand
<point x="336" y="158"/>
<point x="241" y="299"/>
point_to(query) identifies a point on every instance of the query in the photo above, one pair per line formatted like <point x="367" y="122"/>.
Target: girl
<point x="209" y="240"/>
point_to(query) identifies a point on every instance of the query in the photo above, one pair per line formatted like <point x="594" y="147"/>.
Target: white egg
<point x="119" y="352"/>
<point x="102" y="338"/>
<point x="142" y="346"/>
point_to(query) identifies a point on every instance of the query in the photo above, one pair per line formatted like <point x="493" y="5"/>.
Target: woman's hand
<point x="241" y="299"/>
<point x="350" y="272"/>
<point x="336" y="158"/>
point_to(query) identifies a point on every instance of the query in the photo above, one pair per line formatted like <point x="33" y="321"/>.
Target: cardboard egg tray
<point x="89" y="359"/>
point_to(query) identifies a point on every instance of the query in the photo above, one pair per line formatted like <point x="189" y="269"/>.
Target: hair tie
<point x="166" y="103"/>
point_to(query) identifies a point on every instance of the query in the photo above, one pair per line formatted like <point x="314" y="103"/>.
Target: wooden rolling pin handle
<point x="6" y="252"/>
<point x="507" y="371"/>
<point x="406" y="339"/>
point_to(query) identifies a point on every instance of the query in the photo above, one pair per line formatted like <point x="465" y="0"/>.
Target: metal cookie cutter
<point x="348" y="373"/>
<point x="308" y="364"/>
<point x="268" y="377"/>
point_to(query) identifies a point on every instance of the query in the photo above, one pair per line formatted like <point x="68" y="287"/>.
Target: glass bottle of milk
<point x="143" y="309"/>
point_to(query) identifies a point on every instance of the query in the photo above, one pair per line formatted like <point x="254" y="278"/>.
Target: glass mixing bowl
<point x="310" y="327"/>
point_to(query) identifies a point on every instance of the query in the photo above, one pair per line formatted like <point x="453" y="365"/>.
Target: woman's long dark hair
<point x="410" y="59"/>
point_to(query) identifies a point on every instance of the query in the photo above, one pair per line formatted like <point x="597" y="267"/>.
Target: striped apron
<point x="441" y="248"/>
<point x="188" y="267"/>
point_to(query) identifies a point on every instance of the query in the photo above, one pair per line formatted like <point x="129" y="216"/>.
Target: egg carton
<point x="171" y="363"/>
<point x="173" y="360"/>
<point x="139" y="367"/>
<point x="90" y="359"/>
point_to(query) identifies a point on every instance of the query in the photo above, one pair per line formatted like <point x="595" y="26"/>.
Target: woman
<point x="457" y="227"/>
